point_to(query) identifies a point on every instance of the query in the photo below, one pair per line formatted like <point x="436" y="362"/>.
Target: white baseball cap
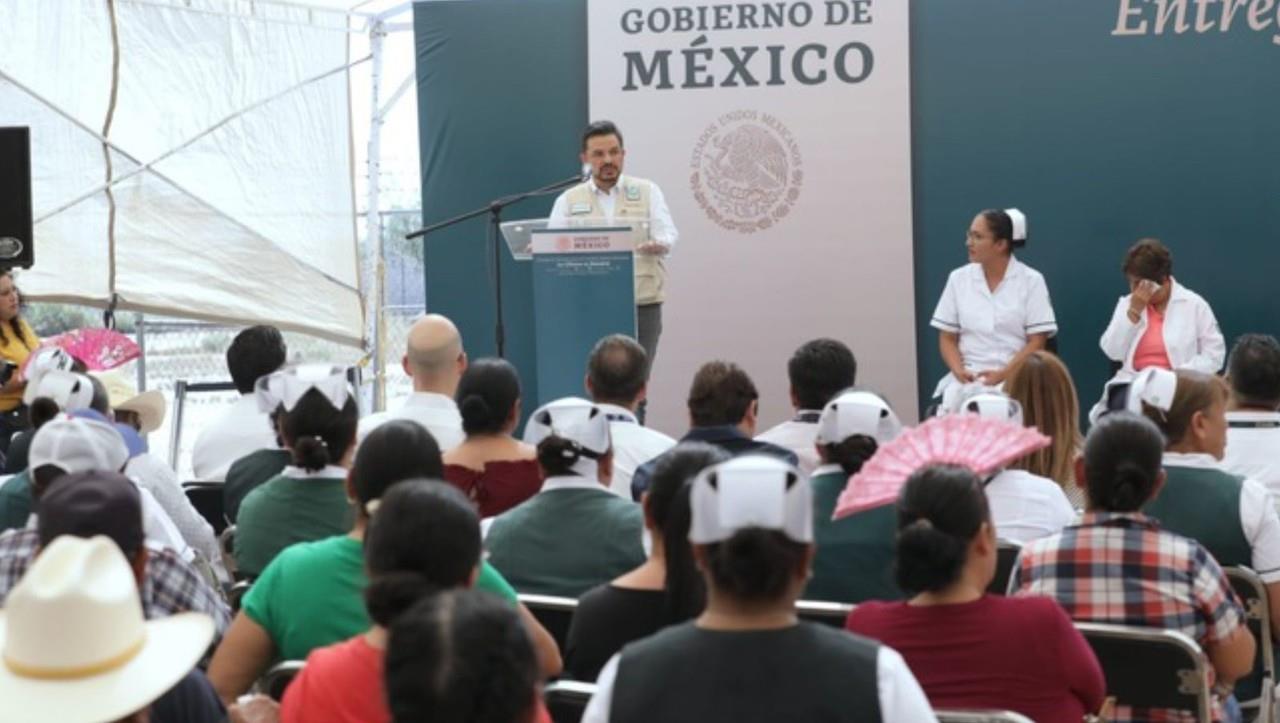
<point x="75" y="444"/>
<point x="76" y="648"/>
<point x="857" y="412"/>
<point x="750" y="491"/>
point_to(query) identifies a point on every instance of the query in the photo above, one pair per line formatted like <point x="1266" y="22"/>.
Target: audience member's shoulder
<point x="1028" y="610"/>
<point x="871" y="612"/>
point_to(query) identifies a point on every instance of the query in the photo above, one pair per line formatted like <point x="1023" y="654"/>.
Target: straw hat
<point x="124" y="397"/>
<point x="75" y="646"/>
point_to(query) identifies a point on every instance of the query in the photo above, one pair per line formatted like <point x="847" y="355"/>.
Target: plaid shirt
<point x="171" y="585"/>
<point x="1123" y="569"/>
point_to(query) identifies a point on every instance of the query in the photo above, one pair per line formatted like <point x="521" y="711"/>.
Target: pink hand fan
<point x="979" y="443"/>
<point x="99" y="349"/>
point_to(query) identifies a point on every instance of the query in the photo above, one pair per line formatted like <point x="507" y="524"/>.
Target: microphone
<point x="586" y="172"/>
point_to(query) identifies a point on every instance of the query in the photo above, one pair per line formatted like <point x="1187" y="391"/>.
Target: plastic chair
<point x="1256" y="693"/>
<point x="555" y="614"/>
<point x="567" y="700"/>
<point x="827" y="613"/>
<point x="946" y="715"/>
<point x="1152" y="668"/>
<point x="206" y="498"/>
<point x="1006" y="557"/>
<point x="274" y="682"/>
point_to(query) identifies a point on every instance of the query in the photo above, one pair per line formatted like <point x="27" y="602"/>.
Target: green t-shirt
<point x="247" y="474"/>
<point x="288" y="510"/>
<point x="312" y="595"/>
<point x="16" y="502"/>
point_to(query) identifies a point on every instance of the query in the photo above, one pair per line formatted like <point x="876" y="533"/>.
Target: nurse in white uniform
<point x="994" y="311"/>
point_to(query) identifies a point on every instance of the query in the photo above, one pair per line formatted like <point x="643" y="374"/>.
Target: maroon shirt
<point x="1019" y="654"/>
<point x="500" y="486"/>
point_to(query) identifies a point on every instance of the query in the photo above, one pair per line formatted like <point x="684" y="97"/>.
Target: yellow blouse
<point x="16" y="351"/>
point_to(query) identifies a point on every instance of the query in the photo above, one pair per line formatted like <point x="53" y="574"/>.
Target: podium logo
<point x="746" y="171"/>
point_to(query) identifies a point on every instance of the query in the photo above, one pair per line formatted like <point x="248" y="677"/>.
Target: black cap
<point x="92" y="503"/>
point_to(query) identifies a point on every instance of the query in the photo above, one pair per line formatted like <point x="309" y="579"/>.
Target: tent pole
<point x="373" y="219"/>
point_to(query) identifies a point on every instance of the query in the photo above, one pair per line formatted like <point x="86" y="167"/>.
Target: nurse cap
<point x="857" y="412"/>
<point x="750" y="491"/>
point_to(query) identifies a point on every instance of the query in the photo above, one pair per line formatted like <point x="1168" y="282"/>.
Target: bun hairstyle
<point x="1002" y="227"/>
<point x="940" y="510"/>
<point x="487" y="394"/>
<point x="667" y="506"/>
<point x="557" y="455"/>
<point x="461" y="656"/>
<point x="755" y="565"/>
<point x="395" y="451"/>
<point x="1195" y="392"/>
<point x="1122" y="462"/>
<point x="318" y="434"/>
<point x="424" y="538"/>
<point x="852" y="453"/>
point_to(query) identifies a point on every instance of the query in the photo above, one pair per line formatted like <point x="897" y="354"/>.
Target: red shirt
<point x="1019" y="654"/>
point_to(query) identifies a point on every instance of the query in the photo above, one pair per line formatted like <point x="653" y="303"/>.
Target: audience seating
<point x="980" y="716"/>
<point x="274" y="682"/>
<point x="1006" y="557"/>
<point x="567" y="700"/>
<point x="555" y="614"/>
<point x="207" y="498"/>
<point x="236" y="594"/>
<point x="1151" y="668"/>
<point x="1253" y="593"/>
<point x="827" y="613"/>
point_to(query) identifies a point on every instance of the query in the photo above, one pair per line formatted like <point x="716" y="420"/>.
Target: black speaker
<point x="17" y="247"/>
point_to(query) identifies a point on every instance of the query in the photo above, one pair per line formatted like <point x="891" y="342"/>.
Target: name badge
<point x="578" y="208"/>
<point x="633" y="193"/>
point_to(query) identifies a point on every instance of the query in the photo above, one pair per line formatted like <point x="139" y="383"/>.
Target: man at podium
<point x="607" y="197"/>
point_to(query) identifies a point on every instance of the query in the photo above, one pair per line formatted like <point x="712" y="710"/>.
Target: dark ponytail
<point x="557" y="455"/>
<point x="667" y="506"/>
<point x="852" y="453"/>
<point x="487" y="394"/>
<point x="318" y="434"/>
<point x="940" y="510"/>
<point x="755" y="565"/>
<point x="1123" y="455"/>
<point x="423" y="538"/>
<point x="42" y="410"/>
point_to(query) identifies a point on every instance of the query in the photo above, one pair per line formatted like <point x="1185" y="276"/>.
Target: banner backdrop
<point x="780" y="134"/>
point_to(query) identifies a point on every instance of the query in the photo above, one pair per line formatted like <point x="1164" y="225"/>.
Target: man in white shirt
<point x="255" y="352"/>
<point x="818" y="371"/>
<point x="617" y="376"/>
<point x="434" y="360"/>
<point x="610" y="197"/>
<point x="1253" y="418"/>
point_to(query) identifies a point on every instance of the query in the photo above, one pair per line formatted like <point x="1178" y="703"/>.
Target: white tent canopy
<point x="189" y="158"/>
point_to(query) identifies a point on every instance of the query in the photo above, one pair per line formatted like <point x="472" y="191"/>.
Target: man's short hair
<point x="617" y="370"/>
<point x="721" y="394"/>
<point x="819" y="370"/>
<point x="1254" y="370"/>
<point x="255" y="352"/>
<point x="600" y="128"/>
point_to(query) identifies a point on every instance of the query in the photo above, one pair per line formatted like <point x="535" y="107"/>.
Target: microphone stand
<point x="494" y="209"/>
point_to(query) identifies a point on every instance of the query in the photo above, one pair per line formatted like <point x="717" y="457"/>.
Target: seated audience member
<point x="244" y="428"/>
<point x="969" y="649"/>
<point x="747" y="657"/>
<point x="254" y="470"/>
<point x="308" y="500"/>
<point x="493" y="468"/>
<point x="854" y="556"/>
<point x="424" y="539"/>
<point x="43" y="359"/>
<point x="1024" y="506"/>
<point x="617" y="380"/>
<point x="77" y="649"/>
<point x="1233" y="517"/>
<point x="573" y="534"/>
<point x="460" y="656"/>
<point x="434" y="361"/>
<point x="310" y="594"/>
<point x="1253" y="420"/>
<point x="88" y="503"/>
<point x="83" y="442"/>
<point x="666" y="590"/>
<point x="1116" y="565"/>
<point x="139" y="414"/>
<point x="723" y="408"/>
<point x="1042" y="384"/>
<point x="818" y="371"/>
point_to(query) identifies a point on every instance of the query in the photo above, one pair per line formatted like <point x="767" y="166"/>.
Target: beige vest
<point x="632" y="203"/>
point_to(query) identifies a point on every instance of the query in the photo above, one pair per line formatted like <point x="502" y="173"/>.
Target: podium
<point x="583" y="289"/>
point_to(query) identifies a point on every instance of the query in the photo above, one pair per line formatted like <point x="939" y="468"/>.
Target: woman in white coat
<point x="994" y="311"/>
<point x="1159" y="323"/>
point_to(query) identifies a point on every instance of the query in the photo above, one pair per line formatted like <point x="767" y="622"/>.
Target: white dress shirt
<point x="1253" y="447"/>
<point x="437" y="413"/>
<point x="901" y="699"/>
<point x="798" y="435"/>
<point x="633" y="445"/>
<point x="1026" y="507"/>
<point x="1258" y="518"/>
<point x="993" y="325"/>
<point x="662" y="228"/>
<point x="243" y="429"/>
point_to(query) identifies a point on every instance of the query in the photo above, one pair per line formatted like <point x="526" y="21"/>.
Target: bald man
<point x="434" y="360"/>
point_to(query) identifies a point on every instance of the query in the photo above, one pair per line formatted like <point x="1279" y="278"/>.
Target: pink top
<point x="1020" y="654"/>
<point x="341" y="683"/>
<point x="1151" y="351"/>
